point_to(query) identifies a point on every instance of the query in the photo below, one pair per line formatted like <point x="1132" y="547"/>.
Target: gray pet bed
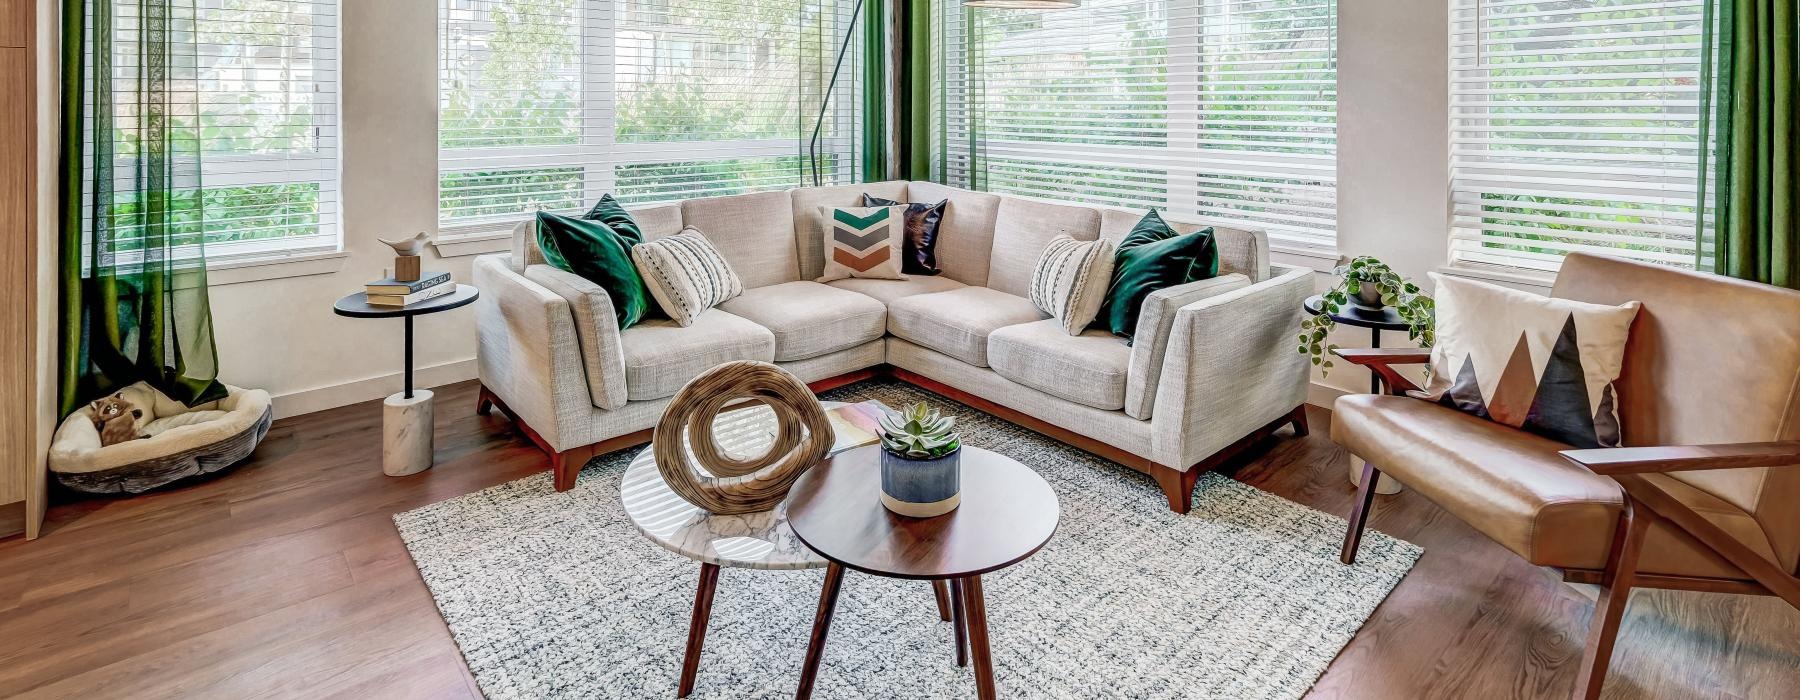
<point x="184" y="442"/>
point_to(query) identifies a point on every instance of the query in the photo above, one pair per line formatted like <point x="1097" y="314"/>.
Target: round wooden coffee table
<point x="1007" y="514"/>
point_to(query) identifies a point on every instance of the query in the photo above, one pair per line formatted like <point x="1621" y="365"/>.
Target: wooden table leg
<point x="976" y="608"/>
<point x="960" y="613"/>
<point x="815" y="648"/>
<point x="943" y="599"/>
<point x="703" y="600"/>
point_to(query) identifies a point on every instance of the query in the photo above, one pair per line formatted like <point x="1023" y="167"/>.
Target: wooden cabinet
<point x="15" y="24"/>
<point x="21" y="472"/>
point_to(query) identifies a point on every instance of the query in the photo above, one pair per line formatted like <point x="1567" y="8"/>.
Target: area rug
<point x="556" y="595"/>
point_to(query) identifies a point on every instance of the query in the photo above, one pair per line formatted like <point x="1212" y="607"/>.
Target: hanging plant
<point x="1369" y="283"/>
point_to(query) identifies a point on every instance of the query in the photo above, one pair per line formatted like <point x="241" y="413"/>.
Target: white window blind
<point x="1575" y="127"/>
<point x="553" y="103"/>
<point x="1214" y="108"/>
<point x="263" y="76"/>
<point x="269" y="128"/>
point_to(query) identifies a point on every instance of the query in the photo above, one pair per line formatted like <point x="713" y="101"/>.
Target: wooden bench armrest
<point x="1382" y="361"/>
<point x="1610" y="461"/>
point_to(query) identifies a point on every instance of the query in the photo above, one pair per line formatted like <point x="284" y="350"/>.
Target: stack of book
<point x="393" y="292"/>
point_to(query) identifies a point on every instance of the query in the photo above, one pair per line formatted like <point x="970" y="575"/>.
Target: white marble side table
<point x="406" y="417"/>
<point x="748" y="541"/>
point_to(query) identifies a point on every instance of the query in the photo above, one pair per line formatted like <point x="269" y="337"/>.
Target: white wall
<point x="280" y="334"/>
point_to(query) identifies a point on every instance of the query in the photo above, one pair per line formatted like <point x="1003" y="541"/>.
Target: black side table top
<point x="357" y="305"/>
<point x="1384" y="319"/>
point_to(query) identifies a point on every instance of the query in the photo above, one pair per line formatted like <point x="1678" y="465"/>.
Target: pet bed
<point x="179" y="442"/>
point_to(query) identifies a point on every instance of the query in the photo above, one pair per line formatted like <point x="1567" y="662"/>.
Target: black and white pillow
<point x="1071" y="279"/>
<point x="686" y="274"/>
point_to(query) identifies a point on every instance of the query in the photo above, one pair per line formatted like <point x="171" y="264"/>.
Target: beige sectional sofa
<point x="1212" y="368"/>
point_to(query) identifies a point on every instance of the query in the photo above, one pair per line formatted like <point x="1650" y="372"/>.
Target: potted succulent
<point x="1369" y="283"/>
<point x="921" y="462"/>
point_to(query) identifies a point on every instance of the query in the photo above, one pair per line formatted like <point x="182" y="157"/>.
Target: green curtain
<point x="916" y="84"/>
<point x="1756" y="234"/>
<point x="133" y="295"/>
<point x="874" y="93"/>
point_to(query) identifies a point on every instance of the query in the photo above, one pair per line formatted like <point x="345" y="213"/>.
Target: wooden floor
<point x="285" y="578"/>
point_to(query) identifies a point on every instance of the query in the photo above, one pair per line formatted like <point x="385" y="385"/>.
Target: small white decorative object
<point x="407" y="246"/>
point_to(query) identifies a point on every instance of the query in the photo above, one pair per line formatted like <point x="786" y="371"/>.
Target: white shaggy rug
<point x="557" y="595"/>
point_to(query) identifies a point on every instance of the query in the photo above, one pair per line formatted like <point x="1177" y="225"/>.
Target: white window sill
<point x="240" y="270"/>
<point x="451" y="246"/>
<point x="1319" y="259"/>
<point x="1535" y="281"/>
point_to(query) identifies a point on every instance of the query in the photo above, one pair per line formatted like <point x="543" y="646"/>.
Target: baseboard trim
<point x="326" y="397"/>
<point x="1323" y="395"/>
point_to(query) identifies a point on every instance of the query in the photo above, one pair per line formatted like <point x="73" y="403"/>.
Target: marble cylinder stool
<point x="406" y="433"/>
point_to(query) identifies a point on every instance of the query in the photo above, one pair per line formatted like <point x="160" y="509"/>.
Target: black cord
<point x="825" y="100"/>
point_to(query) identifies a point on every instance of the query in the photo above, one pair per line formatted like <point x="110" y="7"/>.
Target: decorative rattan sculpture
<point x="723" y="484"/>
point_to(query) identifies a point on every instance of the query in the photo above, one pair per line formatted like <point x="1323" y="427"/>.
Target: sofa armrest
<point x="1231" y="368"/>
<point x="1150" y="345"/>
<point x="596" y="332"/>
<point x="526" y="351"/>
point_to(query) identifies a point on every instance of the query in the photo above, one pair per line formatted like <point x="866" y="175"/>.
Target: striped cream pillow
<point x="1070" y="281"/>
<point x="685" y="274"/>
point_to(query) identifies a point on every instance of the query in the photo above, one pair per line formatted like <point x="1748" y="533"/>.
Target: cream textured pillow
<point x="685" y="274"/>
<point x="1539" y="364"/>
<point x="863" y="242"/>
<point x="1070" y="281"/>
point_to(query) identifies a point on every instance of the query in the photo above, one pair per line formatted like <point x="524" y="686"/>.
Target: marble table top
<point x="751" y="540"/>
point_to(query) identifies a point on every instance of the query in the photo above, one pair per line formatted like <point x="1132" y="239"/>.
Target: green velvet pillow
<point x="1151" y="257"/>
<point x="600" y="253"/>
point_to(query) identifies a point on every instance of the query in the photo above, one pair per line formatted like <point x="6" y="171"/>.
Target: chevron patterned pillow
<point x="1071" y="279"/>
<point x="1543" y="365"/>
<point x="863" y="242"/>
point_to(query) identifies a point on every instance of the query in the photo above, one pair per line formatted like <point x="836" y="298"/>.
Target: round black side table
<point x="1376" y="320"/>
<point x="406" y="444"/>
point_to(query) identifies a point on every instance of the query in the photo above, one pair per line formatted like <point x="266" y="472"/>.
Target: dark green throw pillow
<point x="601" y="254"/>
<point x="1151" y="257"/>
<point x="613" y="214"/>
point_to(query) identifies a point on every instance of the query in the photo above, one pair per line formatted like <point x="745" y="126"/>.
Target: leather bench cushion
<point x="887" y="291"/>
<point x="1513" y="487"/>
<point x="661" y="356"/>
<point x="957" y="322"/>
<point x="810" y="319"/>
<point x="1089" y="369"/>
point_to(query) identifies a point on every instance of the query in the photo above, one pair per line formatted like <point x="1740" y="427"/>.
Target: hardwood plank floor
<point x="285" y="578"/>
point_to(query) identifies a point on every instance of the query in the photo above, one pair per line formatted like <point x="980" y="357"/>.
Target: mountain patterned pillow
<point x="863" y="242"/>
<point x="920" y="248"/>
<point x="1071" y="279"/>
<point x="1540" y="364"/>
<point x="686" y="274"/>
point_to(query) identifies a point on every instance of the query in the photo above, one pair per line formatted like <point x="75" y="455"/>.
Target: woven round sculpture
<point x="724" y="485"/>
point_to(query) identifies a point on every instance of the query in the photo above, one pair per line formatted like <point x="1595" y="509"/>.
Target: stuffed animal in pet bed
<point x="116" y="419"/>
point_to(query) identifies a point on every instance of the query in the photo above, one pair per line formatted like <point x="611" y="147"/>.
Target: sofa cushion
<point x="1089" y="369"/>
<point x="656" y="222"/>
<point x="965" y="234"/>
<point x="1240" y="250"/>
<point x="810" y="319"/>
<point x="755" y="233"/>
<point x="886" y="291"/>
<point x="810" y="223"/>
<point x="661" y="356"/>
<point x="957" y="322"/>
<point x="1023" y="228"/>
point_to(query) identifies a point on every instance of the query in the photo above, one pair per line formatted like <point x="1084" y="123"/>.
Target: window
<point x="1575" y="127"/>
<point x="263" y="74"/>
<point x="553" y="103"/>
<point x="1213" y="108"/>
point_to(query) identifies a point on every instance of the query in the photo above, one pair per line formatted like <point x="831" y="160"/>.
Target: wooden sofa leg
<point x="484" y="404"/>
<point x="1298" y="418"/>
<point x="1359" y="512"/>
<point x="1615" y="592"/>
<point x="567" y="464"/>
<point x="1178" y="485"/>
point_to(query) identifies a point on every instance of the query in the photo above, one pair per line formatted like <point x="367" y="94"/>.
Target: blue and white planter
<point x="921" y="488"/>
